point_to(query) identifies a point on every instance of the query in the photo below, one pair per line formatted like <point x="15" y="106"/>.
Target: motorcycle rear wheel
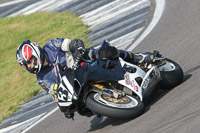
<point x="125" y="107"/>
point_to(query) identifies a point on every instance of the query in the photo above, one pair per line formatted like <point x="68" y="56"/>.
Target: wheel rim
<point x="124" y="102"/>
<point x="168" y="67"/>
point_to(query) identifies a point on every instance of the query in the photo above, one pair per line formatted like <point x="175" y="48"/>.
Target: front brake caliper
<point x="108" y="92"/>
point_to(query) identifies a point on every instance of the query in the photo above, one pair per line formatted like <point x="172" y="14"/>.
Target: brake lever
<point x="75" y="66"/>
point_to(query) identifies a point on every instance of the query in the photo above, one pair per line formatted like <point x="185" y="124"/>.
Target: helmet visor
<point x="31" y="65"/>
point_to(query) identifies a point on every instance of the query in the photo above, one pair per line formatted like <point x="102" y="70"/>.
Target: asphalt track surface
<point x="178" y="110"/>
<point x="176" y="36"/>
<point x="119" y="21"/>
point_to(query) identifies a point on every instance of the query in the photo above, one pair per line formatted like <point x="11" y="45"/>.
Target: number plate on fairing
<point x="151" y="78"/>
<point x="146" y="83"/>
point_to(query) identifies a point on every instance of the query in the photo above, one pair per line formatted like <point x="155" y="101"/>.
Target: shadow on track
<point x="99" y="123"/>
<point x="192" y="69"/>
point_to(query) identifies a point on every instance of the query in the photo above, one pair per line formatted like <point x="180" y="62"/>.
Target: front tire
<point x="126" y="107"/>
<point x="171" y="76"/>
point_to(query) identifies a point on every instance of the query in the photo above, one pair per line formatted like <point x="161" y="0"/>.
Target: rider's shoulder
<point x="54" y="42"/>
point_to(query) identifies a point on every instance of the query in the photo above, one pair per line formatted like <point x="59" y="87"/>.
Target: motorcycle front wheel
<point x="172" y="75"/>
<point x="125" y="107"/>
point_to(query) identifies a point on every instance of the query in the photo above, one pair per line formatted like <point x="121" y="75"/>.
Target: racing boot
<point x="104" y="52"/>
<point x="143" y="58"/>
<point x="69" y="115"/>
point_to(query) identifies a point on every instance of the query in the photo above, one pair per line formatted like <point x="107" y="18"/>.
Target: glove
<point x="77" y="57"/>
<point x="77" y="49"/>
<point x="75" y="45"/>
<point x="78" y="54"/>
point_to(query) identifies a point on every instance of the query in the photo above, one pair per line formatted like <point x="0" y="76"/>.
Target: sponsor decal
<point x="56" y="43"/>
<point x="134" y="86"/>
<point x="130" y="82"/>
<point x="127" y="78"/>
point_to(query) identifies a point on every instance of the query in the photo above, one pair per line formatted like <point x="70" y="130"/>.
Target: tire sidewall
<point x="114" y="112"/>
<point x="172" y="78"/>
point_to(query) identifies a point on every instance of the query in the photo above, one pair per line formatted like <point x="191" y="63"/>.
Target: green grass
<point x="17" y="85"/>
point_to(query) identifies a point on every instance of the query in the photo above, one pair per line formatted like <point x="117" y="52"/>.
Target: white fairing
<point x="130" y="81"/>
<point x="147" y="79"/>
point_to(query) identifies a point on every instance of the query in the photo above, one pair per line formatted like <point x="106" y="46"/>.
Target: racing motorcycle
<point x="112" y="88"/>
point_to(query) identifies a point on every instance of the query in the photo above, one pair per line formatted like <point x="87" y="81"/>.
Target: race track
<point x="176" y="36"/>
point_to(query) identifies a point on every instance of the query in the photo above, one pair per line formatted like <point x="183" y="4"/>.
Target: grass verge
<point x="17" y="85"/>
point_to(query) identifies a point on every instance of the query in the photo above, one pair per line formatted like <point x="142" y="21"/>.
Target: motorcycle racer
<point x="40" y="61"/>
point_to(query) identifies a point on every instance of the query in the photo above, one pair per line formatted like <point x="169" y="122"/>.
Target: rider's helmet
<point x="30" y="52"/>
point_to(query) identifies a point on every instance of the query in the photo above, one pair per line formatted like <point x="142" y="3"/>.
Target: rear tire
<point x="171" y="78"/>
<point x="131" y="108"/>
